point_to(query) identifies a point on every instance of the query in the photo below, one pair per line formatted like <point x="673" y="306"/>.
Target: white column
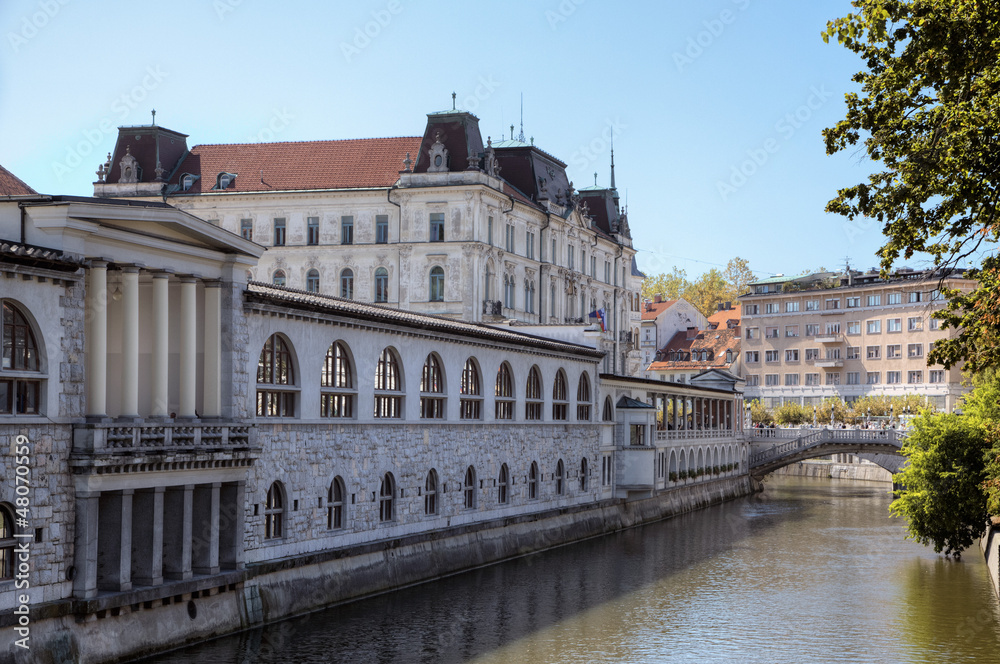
<point x="130" y="342"/>
<point x="189" y="347"/>
<point x="212" y="406"/>
<point x="97" y="359"/>
<point x="161" y="344"/>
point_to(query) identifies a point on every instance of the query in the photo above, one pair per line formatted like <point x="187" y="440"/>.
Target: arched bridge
<point x="793" y="445"/>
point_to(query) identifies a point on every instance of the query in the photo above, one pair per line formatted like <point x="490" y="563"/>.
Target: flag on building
<point x="601" y="318"/>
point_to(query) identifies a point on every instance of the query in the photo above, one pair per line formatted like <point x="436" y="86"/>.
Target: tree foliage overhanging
<point x="706" y="292"/>
<point x="929" y="113"/>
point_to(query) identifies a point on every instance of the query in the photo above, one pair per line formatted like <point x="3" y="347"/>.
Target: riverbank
<point x="990" y="545"/>
<point x="820" y="468"/>
<point x="277" y="590"/>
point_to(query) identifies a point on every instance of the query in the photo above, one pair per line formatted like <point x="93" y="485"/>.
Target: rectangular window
<point x="833" y="379"/>
<point x="791" y="307"/>
<point x="607" y="272"/>
<point x="935" y="324"/>
<point x="894" y="298"/>
<point x="753" y="380"/>
<point x="893" y="377"/>
<point x="812" y="329"/>
<point x="770" y="333"/>
<point x="833" y="353"/>
<point x="246" y="229"/>
<point x="915" y="296"/>
<point x="854" y="352"/>
<point x="854" y="327"/>
<point x="873" y="378"/>
<point x="937" y="376"/>
<point x="791" y="330"/>
<point x="853" y="302"/>
<point x="874" y="327"/>
<point x="792" y="355"/>
<point x="833" y="304"/>
<point x="875" y="300"/>
<point x="791" y="380"/>
<point x="937" y="296"/>
<point x="572" y="256"/>
<point x="753" y="356"/>
<point x="812" y="354"/>
<point x="771" y="380"/>
<point x="812" y="305"/>
<point x="812" y="379"/>
<point x="771" y="356"/>
<point x="312" y="230"/>
<point x="914" y="324"/>
<point x="347" y="230"/>
<point x="437" y="227"/>
<point x="751" y="309"/>
<point x="489" y="231"/>
<point x="894" y="325"/>
<point x="914" y="350"/>
<point x="554" y="254"/>
<point x="753" y="333"/>
<point x="874" y="352"/>
<point x="913" y="377"/>
<point x="771" y="308"/>
<point x="593" y="265"/>
<point x="279" y="232"/>
<point x="853" y="377"/>
<point x="509" y="238"/>
<point x="530" y="245"/>
<point x="893" y="352"/>
<point x="381" y="229"/>
<point x="833" y="328"/>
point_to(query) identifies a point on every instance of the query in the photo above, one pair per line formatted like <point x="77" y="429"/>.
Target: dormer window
<point x="187" y="181"/>
<point x="224" y="180"/>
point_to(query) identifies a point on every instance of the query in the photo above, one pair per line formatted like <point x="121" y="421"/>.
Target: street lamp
<point x="868" y="416"/>
<point x="891" y="406"/>
<point x="814" y="417"/>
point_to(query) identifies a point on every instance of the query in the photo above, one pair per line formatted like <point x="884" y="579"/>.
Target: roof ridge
<point x="314" y="141"/>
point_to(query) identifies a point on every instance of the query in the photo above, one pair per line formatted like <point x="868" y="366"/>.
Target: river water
<point x="807" y="571"/>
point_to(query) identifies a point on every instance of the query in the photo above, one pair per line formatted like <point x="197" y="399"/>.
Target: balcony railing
<point x="157" y="437"/>
<point x="693" y="434"/>
<point x="625" y="337"/>
<point x="492" y="308"/>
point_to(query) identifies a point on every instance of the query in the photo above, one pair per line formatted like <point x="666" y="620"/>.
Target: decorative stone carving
<point x="407" y="164"/>
<point x="438" y="156"/>
<point x="492" y="165"/>
<point x="130" y="167"/>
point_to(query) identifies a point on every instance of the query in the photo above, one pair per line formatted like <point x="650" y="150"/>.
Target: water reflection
<point x="810" y="570"/>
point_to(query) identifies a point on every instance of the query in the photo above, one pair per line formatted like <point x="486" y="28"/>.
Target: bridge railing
<point x="824" y="437"/>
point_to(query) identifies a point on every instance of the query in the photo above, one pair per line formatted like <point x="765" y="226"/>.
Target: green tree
<point x="759" y="413"/>
<point x="707" y="292"/>
<point x="928" y="114"/>
<point x="671" y="286"/>
<point x="791" y="413"/>
<point x="738" y="276"/>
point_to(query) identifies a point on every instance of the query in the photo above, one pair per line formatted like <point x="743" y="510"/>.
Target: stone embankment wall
<point x="838" y="471"/>
<point x="990" y="545"/>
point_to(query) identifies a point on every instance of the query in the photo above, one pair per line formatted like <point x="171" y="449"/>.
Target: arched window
<point x="533" y="396"/>
<point x="347" y="284"/>
<point x="472" y="396"/>
<point x="529" y="297"/>
<point x="335" y="504"/>
<point x="609" y="411"/>
<point x="437" y="284"/>
<point x="559" y="398"/>
<point x="20" y="391"/>
<point x="312" y="281"/>
<point x="431" y="492"/>
<point x="381" y="285"/>
<point x="274" y="512"/>
<point x="7" y="542"/>
<point x="386" y="493"/>
<point x="388" y="386"/>
<point x="533" y="481"/>
<point x="486" y="284"/>
<point x="583" y="398"/>
<point x="560" y="477"/>
<point x="583" y="474"/>
<point x="506" y="291"/>
<point x="469" y="488"/>
<point x="504" y="408"/>
<point x="432" y="389"/>
<point x="279" y="278"/>
<point x="275" y="379"/>
<point x="337" y="384"/>
<point x="503" y="482"/>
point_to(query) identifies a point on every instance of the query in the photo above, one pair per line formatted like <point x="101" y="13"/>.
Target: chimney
<point x="658" y="298"/>
<point x="692" y="332"/>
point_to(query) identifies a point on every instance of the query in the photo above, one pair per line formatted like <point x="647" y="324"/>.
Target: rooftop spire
<point x="520" y="136"/>
<point x="453" y="95"/>
<point x="154" y="117"/>
<point x="613" y="162"/>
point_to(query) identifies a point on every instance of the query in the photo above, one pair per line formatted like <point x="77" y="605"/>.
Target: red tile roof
<point x="11" y="185"/>
<point x="650" y="310"/>
<point x="721" y="318"/>
<point x="716" y="341"/>
<point x="345" y="164"/>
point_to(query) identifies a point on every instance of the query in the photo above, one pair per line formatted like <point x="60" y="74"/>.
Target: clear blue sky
<point x="693" y="91"/>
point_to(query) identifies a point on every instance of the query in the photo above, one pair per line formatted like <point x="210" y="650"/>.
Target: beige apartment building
<point x="847" y="335"/>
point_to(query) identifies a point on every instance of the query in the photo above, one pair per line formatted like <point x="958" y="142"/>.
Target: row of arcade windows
<point x="381" y="293"/>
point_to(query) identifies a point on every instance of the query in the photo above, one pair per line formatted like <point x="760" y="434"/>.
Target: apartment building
<point x="846" y="335"/>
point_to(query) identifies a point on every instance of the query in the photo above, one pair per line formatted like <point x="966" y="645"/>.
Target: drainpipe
<point x="399" y="231"/>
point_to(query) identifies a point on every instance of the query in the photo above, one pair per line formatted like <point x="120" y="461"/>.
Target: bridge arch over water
<point x="788" y="446"/>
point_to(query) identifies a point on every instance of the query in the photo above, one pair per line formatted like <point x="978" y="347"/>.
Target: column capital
<point x="99" y="263"/>
<point x="189" y="278"/>
<point x="212" y="283"/>
<point x="132" y="268"/>
<point x="160" y="274"/>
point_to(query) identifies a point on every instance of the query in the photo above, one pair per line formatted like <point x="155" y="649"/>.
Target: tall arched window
<point x="583" y="474"/>
<point x="559" y="398"/>
<point x="386" y="493"/>
<point x="275" y="379"/>
<point x="472" y="396"/>
<point x="469" y="488"/>
<point x="503" y="482"/>
<point x="347" y="284"/>
<point x="337" y="384"/>
<point x="504" y="406"/>
<point x="533" y="481"/>
<point x="335" y="504"/>
<point x="437" y="284"/>
<point x="20" y="380"/>
<point x="312" y="281"/>
<point x="279" y="278"/>
<point x="274" y="512"/>
<point x="609" y="411"/>
<point x="431" y="493"/>
<point x="381" y="285"/>
<point x="388" y="386"/>
<point x="487" y="284"/>
<point x="432" y="397"/>
<point x="583" y="398"/>
<point x="7" y="542"/>
<point x="533" y="396"/>
<point x="560" y="478"/>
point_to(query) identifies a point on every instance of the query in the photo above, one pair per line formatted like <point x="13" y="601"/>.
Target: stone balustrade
<point x="156" y="437"/>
